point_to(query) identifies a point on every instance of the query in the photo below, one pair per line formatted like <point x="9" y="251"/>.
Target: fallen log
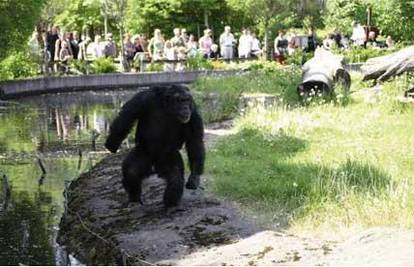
<point x="321" y="73"/>
<point x="388" y="66"/>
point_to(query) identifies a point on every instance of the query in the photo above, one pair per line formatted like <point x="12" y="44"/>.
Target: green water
<point x="56" y="129"/>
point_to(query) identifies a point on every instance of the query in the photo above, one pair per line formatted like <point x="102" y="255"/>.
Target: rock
<point x="98" y="231"/>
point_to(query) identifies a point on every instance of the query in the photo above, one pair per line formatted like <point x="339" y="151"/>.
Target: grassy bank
<point x="263" y="77"/>
<point x="325" y="166"/>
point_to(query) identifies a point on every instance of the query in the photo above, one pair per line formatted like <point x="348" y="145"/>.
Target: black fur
<point x="163" y="128"/>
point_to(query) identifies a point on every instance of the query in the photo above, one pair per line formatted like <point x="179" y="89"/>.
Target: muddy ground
<point x="202" y="231"/>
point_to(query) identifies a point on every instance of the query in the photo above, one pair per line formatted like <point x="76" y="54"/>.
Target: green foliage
<point x="17" y="21"/>
<point x="358" y="54"/>
<point x="392" y="17"/>
<point x="145" y="16"/>
<point x="299" y="57"/>
<point x="341" y="13"/>
<point x="309" y="163"/>
<point x="78" y="66"/>
<point x="198" y="62"/>
<point x="261" y="79"/>
<point x="81" y="15"/>
<point x="18" y="65"/>
<point x="103" y="65"/>
<point x="154" y="66"/>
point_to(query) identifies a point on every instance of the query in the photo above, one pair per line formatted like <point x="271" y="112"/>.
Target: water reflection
<point x="60" y="131"/>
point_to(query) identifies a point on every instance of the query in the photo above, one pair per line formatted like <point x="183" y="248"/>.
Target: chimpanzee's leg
<point x="172" y="169"/>
<point x="135" y="168"/>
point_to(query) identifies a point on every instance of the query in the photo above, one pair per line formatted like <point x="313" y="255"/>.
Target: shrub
<point x="154" y="67"/>
<point x="299" y="57"/>
<point x="18" y="65"/>
<point x="103" y="65"/>
<point x="198" y="62"/>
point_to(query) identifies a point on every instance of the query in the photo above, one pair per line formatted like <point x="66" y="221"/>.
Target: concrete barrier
<point x="29" y="87"/>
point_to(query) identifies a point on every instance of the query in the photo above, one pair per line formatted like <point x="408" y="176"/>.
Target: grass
<point x="324" y="166"/>
<point x="228" y="90"/>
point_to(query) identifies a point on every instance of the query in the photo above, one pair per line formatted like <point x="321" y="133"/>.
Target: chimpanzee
<point x="167" y="118"/>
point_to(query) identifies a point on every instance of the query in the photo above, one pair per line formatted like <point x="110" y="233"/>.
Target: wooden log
<point x="388" y="66"/>
<point x="321" y="73"/>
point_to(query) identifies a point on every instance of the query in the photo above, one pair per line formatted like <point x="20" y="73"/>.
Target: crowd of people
<point x="62" y="47"/>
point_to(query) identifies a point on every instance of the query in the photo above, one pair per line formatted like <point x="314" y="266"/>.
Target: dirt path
<point x="203" y="231"/>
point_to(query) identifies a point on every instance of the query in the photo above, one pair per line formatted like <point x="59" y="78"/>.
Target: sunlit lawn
<point x="325" y="166"/>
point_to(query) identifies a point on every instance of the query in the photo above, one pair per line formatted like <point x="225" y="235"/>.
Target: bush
<point x="199" y="63"/>
<point x="264" y="77"/>
<point x="359" y="54"/>
<point x="154" y="67"/>
<point x="103" y="65"/>
<point x="79" y="66"/>
<point x="299" y="57"/>
<point x="18" y="65"/>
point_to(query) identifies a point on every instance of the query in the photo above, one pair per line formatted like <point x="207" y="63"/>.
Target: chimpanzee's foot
<point x="193" y="182"/>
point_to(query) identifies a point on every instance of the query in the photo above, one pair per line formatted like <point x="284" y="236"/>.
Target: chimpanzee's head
<point x="178" y="102"/>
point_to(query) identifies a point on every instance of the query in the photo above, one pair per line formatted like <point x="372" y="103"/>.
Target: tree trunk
<point x="266" y="42"/>
<point x="206" y="18"/>
<point x="385" y="67"/>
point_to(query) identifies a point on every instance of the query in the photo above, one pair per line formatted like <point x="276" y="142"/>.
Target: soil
<point x="203" y="230"/>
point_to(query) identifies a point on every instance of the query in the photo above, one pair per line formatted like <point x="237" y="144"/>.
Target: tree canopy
<point x="17" y="21"/>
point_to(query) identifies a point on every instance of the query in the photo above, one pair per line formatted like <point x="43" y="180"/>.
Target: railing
<point x="44" y="85"/>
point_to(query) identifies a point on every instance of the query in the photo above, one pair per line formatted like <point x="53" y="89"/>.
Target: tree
<point x="17" y="22"/>
<point x="144" y="16"/>
<point x="266" y="13"/>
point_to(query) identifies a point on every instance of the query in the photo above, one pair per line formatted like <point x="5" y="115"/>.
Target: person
<point x="74" y="44"/>
<point x="214" y="51"/>
<point x="205" y="43"/>
<point x="256" y="50"/>
<point x="156" y="45"/>
<point x="372" y="40"/>
<point x="169" y="54"/>
<point x="109" y="47"/>
<point x="293" y="43"/>
<point x="139" y="53"/>
<point x="129" y="52"/>
<point x="177" y="41"/>
<point x="34" y="45"/>
<point x="281" y="45"/>
<point x="65" y="56"/>
<point x="65" y="38"/>
<point x="181" y="55"/>
<point x="311" y="46"/>
<point x="358" y="34"/>
<point x="245" y="44"/>
<point x="83" y="55"/>
<point x="51" y="38"/>
<point x="389" y="42"/>
<point x="329" y="42"/>
<point x="95" y="49"/>
<point x="227" y="43"/>
<point x="191" y="46"/>
<point x="184" y="35"/>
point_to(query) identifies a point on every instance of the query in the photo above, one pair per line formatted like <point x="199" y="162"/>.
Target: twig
<point x="123" y="252"/>
<point x="80" y="159"/>
<point x="42" y="166"/>
<point x="6" y="192"/>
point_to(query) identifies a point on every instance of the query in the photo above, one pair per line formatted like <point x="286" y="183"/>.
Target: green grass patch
<point x="324" y="166"/>
<point x="227" y="90"/>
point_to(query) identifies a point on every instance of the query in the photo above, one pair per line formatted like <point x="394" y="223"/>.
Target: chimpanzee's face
<point x="179" y="104"/>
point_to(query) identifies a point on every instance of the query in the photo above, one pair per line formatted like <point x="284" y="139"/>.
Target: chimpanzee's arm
<point x="195" y="144"/>
<point x="130" y="112"/>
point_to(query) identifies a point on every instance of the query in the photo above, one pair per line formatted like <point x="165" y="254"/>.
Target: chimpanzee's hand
<point x="111" y="146"/>
<point x="193" y="182"/>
